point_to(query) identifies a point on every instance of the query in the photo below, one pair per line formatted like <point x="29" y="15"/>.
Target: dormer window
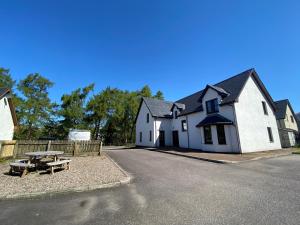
<point x="212" y="106"/>
<point x="176" y="114"/>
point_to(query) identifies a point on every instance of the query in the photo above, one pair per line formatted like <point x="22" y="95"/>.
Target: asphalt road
<point x="171" y="189"/>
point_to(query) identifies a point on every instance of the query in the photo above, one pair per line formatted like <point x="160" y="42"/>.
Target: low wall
<point x="7" y="149"/>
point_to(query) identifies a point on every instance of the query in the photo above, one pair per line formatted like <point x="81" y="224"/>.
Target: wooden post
<point x="15" y="150"/>
<point x="100" y="148"/>
<point x="49" y="146"/>
<point x="75" y="151"/>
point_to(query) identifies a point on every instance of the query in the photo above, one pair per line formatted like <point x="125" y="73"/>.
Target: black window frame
<point x="184" y="129"/>
<point x="141" y="137"/>
<point x="221" y="134"/>
<point x="207" y="135"/>
<point x="214" y="106"/>
<point x="265" y="108"/>
<point x="175" y="114"/>
<point x="148" y="118"/>
<point x="5" y="101"/>
<point x="270" y="134"/>
<point x="150" y="135"/>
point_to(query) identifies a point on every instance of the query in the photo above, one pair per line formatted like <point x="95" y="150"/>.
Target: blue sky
<point x="174" y="46"/>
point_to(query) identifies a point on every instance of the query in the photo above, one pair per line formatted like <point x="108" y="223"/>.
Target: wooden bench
<point x="59" y="163"/>
<point x="20" y="167"/>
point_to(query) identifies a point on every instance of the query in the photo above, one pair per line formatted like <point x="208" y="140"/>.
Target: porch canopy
<point x="214" y="120"/>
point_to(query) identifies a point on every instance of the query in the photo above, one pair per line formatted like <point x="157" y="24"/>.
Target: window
<point x="265" y="107"/>
<point x="183" y="125"/>
<point x="150" y="135"/>
<point x="147" y="117"/>
<point x="212" y="106"/>
<point x="5" y="101"/>
<point x="176" y="115"/>
<point x="270" y="134"/>
<point x="141" y="136"/>
<point x="292" y="119"/>
<point x="221" y="135"/>
<point x="207" y="135"/>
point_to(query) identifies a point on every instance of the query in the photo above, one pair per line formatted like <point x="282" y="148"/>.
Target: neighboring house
<point x="298" y="120"/>
<point x="287" y="123"/>
<point x="236" y="115"/>
<point x="8" y="119"/>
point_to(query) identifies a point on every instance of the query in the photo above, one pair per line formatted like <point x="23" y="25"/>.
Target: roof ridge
<point x="246" y="71"/>
<point x="249" y="71"/>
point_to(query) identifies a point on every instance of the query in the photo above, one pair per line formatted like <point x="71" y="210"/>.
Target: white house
<point x="287" y="123"/>
<point x="8" y="119"/>
<point x="236" y="115"/>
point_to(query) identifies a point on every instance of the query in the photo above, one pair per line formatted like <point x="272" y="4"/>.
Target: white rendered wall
<point x="253" y="123"/>
<point x="144" y="127"/>
<point x="196" y="135"/>
<point x="6" y="121"/>
<point x="162" y="124"/>
<point x="176" y="125"/>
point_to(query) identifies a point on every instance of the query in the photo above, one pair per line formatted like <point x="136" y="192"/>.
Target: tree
<point x="35" y="106"/>
<point x="159" y="95"/>
<point x="72" y="109"/>
<point x="145" y="92"/>
<point x="6" y="79"/>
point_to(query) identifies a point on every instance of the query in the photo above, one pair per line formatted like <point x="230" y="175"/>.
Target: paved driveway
<point x="171" y="189"/>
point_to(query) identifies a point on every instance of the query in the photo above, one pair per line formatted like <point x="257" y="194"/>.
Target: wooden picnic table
<point x="45" y="154"/>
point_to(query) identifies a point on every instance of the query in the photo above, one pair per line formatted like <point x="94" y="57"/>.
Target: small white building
<point x="8" y="119"/>
<point x="236" y="115"/>
<point x="79" y="135"/>
<point x="287" y="123"/>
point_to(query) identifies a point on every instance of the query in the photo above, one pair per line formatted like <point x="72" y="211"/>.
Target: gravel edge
<point x="84" y="188"/>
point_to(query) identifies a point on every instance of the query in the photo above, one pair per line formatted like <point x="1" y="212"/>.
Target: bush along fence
<point x="17" y="149"/>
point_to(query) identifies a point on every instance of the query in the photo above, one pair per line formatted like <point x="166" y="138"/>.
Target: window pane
<point x="207" y="135"/>
<point x="183" y="125"/>
<point x="265" y="108"/>
<point x="221" y="134"/>
<point x="150" y="135"/>
<point x="212" y="106"/>
<point x="141" y="137"/>
<point x="270" y="134"/>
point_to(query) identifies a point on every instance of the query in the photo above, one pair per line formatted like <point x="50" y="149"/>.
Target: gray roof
<point x="158" y="108"/>
<point x="214" y="120"/>
<point x="229" y="89"/>
<point x="232" y="87"/>
<point x="281" y="107"/>
<point x="3" y="91"/>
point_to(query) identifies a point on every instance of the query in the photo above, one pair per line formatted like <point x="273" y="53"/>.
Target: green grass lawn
<point x="297" y="151"/>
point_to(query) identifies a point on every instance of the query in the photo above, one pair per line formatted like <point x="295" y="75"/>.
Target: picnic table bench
<point x="39" y="161"/>
<point x="59" y="163"/>
<point x="20" y="167"/>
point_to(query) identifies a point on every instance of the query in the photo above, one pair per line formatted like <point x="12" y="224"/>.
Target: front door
<point x="175" y="138"/>
<point x="162" y="138"/>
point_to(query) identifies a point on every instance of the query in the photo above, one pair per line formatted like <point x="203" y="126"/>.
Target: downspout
<point x="155" y="141"/>
<point x="237" y="129"/>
